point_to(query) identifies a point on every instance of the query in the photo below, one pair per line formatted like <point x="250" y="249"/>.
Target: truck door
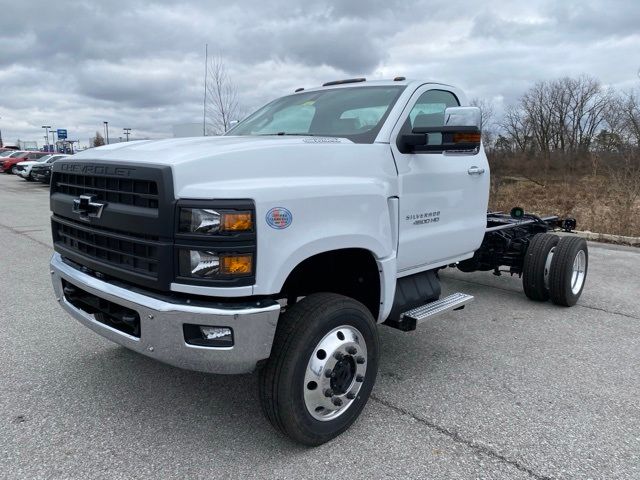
<point x="443" y="196"/>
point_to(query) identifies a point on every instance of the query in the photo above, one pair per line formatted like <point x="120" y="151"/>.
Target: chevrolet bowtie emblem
<point x="88" y="207"/>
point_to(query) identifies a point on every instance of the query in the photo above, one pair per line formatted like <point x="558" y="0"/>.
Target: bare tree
<point x="222" y="105"/>
<point x="588" y="102"/>
<point x="98" y="140"/>
<point x="517" y="127"/>
<point x="537" y="106"/>
<point x="488" y="120"/>
<point x="631" y="116"/>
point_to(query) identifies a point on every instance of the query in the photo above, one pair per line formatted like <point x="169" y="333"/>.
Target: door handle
<point x="475" y="170"/>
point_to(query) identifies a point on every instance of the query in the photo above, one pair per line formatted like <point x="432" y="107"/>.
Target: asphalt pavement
<point x="505" y="389"/>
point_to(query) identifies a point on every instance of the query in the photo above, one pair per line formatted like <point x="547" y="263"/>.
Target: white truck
<point x="281" y="245"/>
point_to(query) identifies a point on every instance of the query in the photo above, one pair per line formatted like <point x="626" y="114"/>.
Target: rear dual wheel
<point x="537" y="264"/>
<point x="555" y="268"/>
<point x="568" y="271"/>
<point x="322" y="368"/>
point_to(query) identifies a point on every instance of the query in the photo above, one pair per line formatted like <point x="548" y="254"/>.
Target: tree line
<point x="570" y="116"/>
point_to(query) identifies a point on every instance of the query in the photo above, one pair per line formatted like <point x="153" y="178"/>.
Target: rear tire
<point x="536" y="266"/>
<point x="322" y="368"/>
<point x="568" y="271"/>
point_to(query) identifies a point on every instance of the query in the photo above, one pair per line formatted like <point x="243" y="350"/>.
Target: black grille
<point x="126" y="191"/>
<point x="111" y="314"/>
<point x="120" y="250"/>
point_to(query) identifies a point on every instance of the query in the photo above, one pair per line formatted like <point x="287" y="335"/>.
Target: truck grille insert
<point x="116" y="249"/>
<point x="139" y="193"/>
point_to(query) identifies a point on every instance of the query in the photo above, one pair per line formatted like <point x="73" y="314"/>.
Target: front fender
<point x="320" y="225"/>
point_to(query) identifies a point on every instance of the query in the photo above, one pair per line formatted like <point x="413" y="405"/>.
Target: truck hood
<point x="241" y="167"/>
<point x="178" y="151"/>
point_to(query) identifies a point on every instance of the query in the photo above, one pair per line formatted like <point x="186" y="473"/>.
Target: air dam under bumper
<point x="161" y="325"/>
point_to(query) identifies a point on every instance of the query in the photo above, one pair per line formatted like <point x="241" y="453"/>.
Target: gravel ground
<point x="505" y="389"/>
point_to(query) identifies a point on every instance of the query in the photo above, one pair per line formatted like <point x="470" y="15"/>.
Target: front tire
<point x="322" y="368"/>
<point x="568" y="271"/>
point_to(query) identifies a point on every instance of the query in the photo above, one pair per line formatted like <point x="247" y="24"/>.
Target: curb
<point x="608" y="238"/>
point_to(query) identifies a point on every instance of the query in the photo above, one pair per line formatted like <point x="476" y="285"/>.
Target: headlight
<point x="209" y="221"/>
<point x="206" y="264"/>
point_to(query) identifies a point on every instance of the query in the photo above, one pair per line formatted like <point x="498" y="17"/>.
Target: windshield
<point x="7" y="153"/>
<point x="353" y="113"/>
<point x="17" y="154"/>
<point x="43" y="159"/>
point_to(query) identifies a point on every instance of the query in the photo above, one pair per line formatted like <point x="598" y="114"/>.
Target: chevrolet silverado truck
<point x="281" y="245"/>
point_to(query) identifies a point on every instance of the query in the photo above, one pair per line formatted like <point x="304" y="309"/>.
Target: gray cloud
<point x="138" y="63"/>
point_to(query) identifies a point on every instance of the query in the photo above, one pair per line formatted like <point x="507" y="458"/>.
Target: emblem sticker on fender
<point x="279" y="218"/>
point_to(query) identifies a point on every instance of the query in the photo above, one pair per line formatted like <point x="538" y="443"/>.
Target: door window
<point x="428" y="111"/>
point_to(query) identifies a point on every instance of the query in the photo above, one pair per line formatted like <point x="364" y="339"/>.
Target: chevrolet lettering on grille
<point x="88" y="207"/>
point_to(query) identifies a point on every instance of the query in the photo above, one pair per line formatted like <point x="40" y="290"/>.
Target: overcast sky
<point x="139" y="64"/>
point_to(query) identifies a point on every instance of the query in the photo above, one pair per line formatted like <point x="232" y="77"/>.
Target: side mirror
<point x="463" y="117"/>
<point x="408" y="142"/>
<point x="461" y="132"/>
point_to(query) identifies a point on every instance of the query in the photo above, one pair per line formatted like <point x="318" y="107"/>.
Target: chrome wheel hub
<point x="547" y="267"/>
<point x="579" y="272"/>
<point x="335" y="373"/>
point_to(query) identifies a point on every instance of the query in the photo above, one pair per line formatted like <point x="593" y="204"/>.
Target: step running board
<point x="420" y="314"/>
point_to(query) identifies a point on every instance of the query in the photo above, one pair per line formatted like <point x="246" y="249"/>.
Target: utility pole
<point x="126" y="132"/>
<point x="204" y="104"/>
<point x="46" y="130"/>
<point x="106" y="132"/>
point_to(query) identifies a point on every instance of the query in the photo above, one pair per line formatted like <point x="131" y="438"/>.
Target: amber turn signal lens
<point x="466" y="138"/>
<point x="237" y="222"/>
<point x="236" y="264"/>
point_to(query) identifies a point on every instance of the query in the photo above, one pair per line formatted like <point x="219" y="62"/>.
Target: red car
<point x="7" y="163"/>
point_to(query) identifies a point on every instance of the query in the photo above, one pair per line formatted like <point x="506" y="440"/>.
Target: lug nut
<point x="360" y="360"/>
<point x="328" y="393"/>
<point x="352" y="350"/>
<point x="328" y="373"/>
<point x="337" y="401"/>
<point x="351" y="395"/>
<point x="338" y="356"/>
<point x="359" y="378"/>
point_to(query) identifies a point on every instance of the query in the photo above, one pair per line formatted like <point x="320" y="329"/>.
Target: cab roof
<point x="361" y="82"/>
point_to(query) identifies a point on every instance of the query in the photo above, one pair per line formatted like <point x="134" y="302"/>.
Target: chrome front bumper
<point x="161" y="325"/>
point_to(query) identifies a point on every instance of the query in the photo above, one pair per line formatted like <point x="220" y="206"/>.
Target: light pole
<point x="53" y="139"/>
<point x="46" y="130"/>
<point x="106" y="131"/>
<point x="126" y="132"/>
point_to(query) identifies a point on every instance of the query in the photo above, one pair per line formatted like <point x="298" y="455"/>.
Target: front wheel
<point x="322" y="368"/>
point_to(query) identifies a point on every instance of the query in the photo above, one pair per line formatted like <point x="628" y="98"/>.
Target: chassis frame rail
<point x="507" y="238"/>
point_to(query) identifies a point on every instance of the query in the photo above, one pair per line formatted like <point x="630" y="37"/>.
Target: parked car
<point x="9" y="163"/>
<point x="24" y="168"/>
<point x="5" y="152"/>
<point x="41" y="172"/>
